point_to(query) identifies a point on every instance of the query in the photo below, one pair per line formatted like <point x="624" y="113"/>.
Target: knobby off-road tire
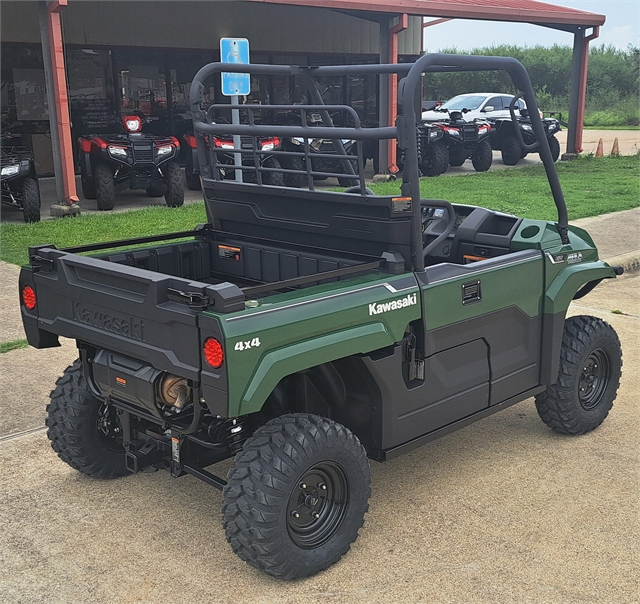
<point x="30" y="200"/>
<point x="296" y="181"/>
<point x="482" y="157"/>
<point x="105" y="188"/>
<point x="174" y="195"/>
<point x="296" y="496"/>
<point x="82" y="430"/>
<point x="588" y="379"/>
<point x="510" y="150"/>
<point x="435" y="160"/>
<point x="554" y="145"/>
<point x="88" y="184"/>
<point x="275" y="179"/>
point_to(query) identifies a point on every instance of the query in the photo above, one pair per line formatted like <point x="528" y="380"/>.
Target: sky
<point x="620" y="29"/>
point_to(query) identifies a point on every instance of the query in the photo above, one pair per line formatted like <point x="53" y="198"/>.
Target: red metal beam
<point x="62" y="99"/>
<point x="582" y="87"/>
<point x="403" y="23"/>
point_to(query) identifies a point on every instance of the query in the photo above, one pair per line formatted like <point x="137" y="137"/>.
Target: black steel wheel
<point x="273" y="178"/>
<point x="88" y="184"/>
<point x="105" y="188"/>
<point x="435" y="160"/>
<point x="510" y="150"/>
<point x="554" y="145"/>
<point x="588" y="378"/>
<point x="296" y="496"/>
<point x="83" y="431"/>
<point x="174" y="195"/>
<point x="482" y="156"/>
<point x="30" y="200"/>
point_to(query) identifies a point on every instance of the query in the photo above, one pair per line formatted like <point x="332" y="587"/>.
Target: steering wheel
<point x="450" y="217"/>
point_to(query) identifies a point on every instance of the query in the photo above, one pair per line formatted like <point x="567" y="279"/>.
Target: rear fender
<point x="282" y="362"/>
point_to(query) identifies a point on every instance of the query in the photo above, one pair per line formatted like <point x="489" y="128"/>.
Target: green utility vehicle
<point x="305" y="331"/>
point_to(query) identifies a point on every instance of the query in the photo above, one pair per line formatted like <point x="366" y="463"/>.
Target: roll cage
<point x="206" y="129"/>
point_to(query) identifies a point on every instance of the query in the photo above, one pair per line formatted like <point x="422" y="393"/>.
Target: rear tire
<point x="435" y="161"/>
<point x="588" y="378"/>
<point x="83" y="431"/>
<point x="105" y="188"/>
<point x="296" y="496"/>
<point x="174" y="195"/>
<point x="88" y="184"/>
<point x="275" y="179"/>
<point x="296" y="181"/>
<point x="510" y="150"/>
<point x="482" y="157"/>
<point x="554" y="145"/>
<point x="30" y="200"/>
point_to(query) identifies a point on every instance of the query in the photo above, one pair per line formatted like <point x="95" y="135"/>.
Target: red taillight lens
<point x="213" y="353"/>
<point x="29" y="297"/>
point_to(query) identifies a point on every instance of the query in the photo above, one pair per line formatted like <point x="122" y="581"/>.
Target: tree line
<point x="613" y="81"/>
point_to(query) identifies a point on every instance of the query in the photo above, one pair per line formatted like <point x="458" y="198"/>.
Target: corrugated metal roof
<point x="525" y="11"/>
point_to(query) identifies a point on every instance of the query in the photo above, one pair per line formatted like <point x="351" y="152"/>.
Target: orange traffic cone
<point x="615" y="152"/>
<point x="599" y="150"/>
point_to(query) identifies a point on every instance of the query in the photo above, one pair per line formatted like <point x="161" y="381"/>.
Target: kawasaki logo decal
<point x="127" y="327"/>
<point x="408" y="300"/>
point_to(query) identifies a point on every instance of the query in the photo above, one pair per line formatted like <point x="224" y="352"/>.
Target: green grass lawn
<point x="592" y="186"/>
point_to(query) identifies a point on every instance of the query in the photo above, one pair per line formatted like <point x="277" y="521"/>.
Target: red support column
<point x="582" y="88"/>
<point x="62" y="99"/>
<point x="403" y="24"/>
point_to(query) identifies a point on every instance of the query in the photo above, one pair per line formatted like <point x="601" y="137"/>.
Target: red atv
<point x="133" y="160"/>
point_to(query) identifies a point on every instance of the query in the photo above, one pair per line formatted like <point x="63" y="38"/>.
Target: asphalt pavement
<point x="504" y="511"/>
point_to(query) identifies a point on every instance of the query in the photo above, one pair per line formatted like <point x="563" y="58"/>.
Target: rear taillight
<point x="29" y="297"/>
<point x="270" y="143"/>
<point x="222" y="144"/>
<point x="213" y="353"/>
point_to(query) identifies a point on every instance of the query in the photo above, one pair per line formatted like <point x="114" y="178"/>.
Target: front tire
<point x="83" y="431"/>
<point x="105" y="188"/>
<point x="554" y="145"/>
<point x="296" y="496"/>
<point x="296" y="181"/>
<point x="435" y="161"/>
<point x="510" y="150"/>
<point x="174" y="195"/>
<point x="588" y="379"/>
<point x="30" y="200"/>
<point x="275" y="179"/>
<point x="482" y="157"/>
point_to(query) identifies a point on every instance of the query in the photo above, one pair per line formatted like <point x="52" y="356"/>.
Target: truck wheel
<point x="435" y="161"/>
<point x="175" y="185"/>
<point x="273" y="178"/>
<point x="30" y="200"/>
<point x="482" y="157"/>
<point x="83" y="431"/>
<point x="590" y="370"/>
<point x="296" y="181"/>
<point x="554" y="145"/>
<point x="510" y="150"/>
<point x="193" y="180"/>
<point x="296" y="496"/>
<point x="88" y="184"/>
<point x="105" y="188"/>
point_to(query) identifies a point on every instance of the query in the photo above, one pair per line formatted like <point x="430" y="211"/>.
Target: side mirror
<point x="488" y="109"/>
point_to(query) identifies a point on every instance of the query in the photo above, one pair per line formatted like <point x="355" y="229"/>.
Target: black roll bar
<point x="405" y="129"/>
